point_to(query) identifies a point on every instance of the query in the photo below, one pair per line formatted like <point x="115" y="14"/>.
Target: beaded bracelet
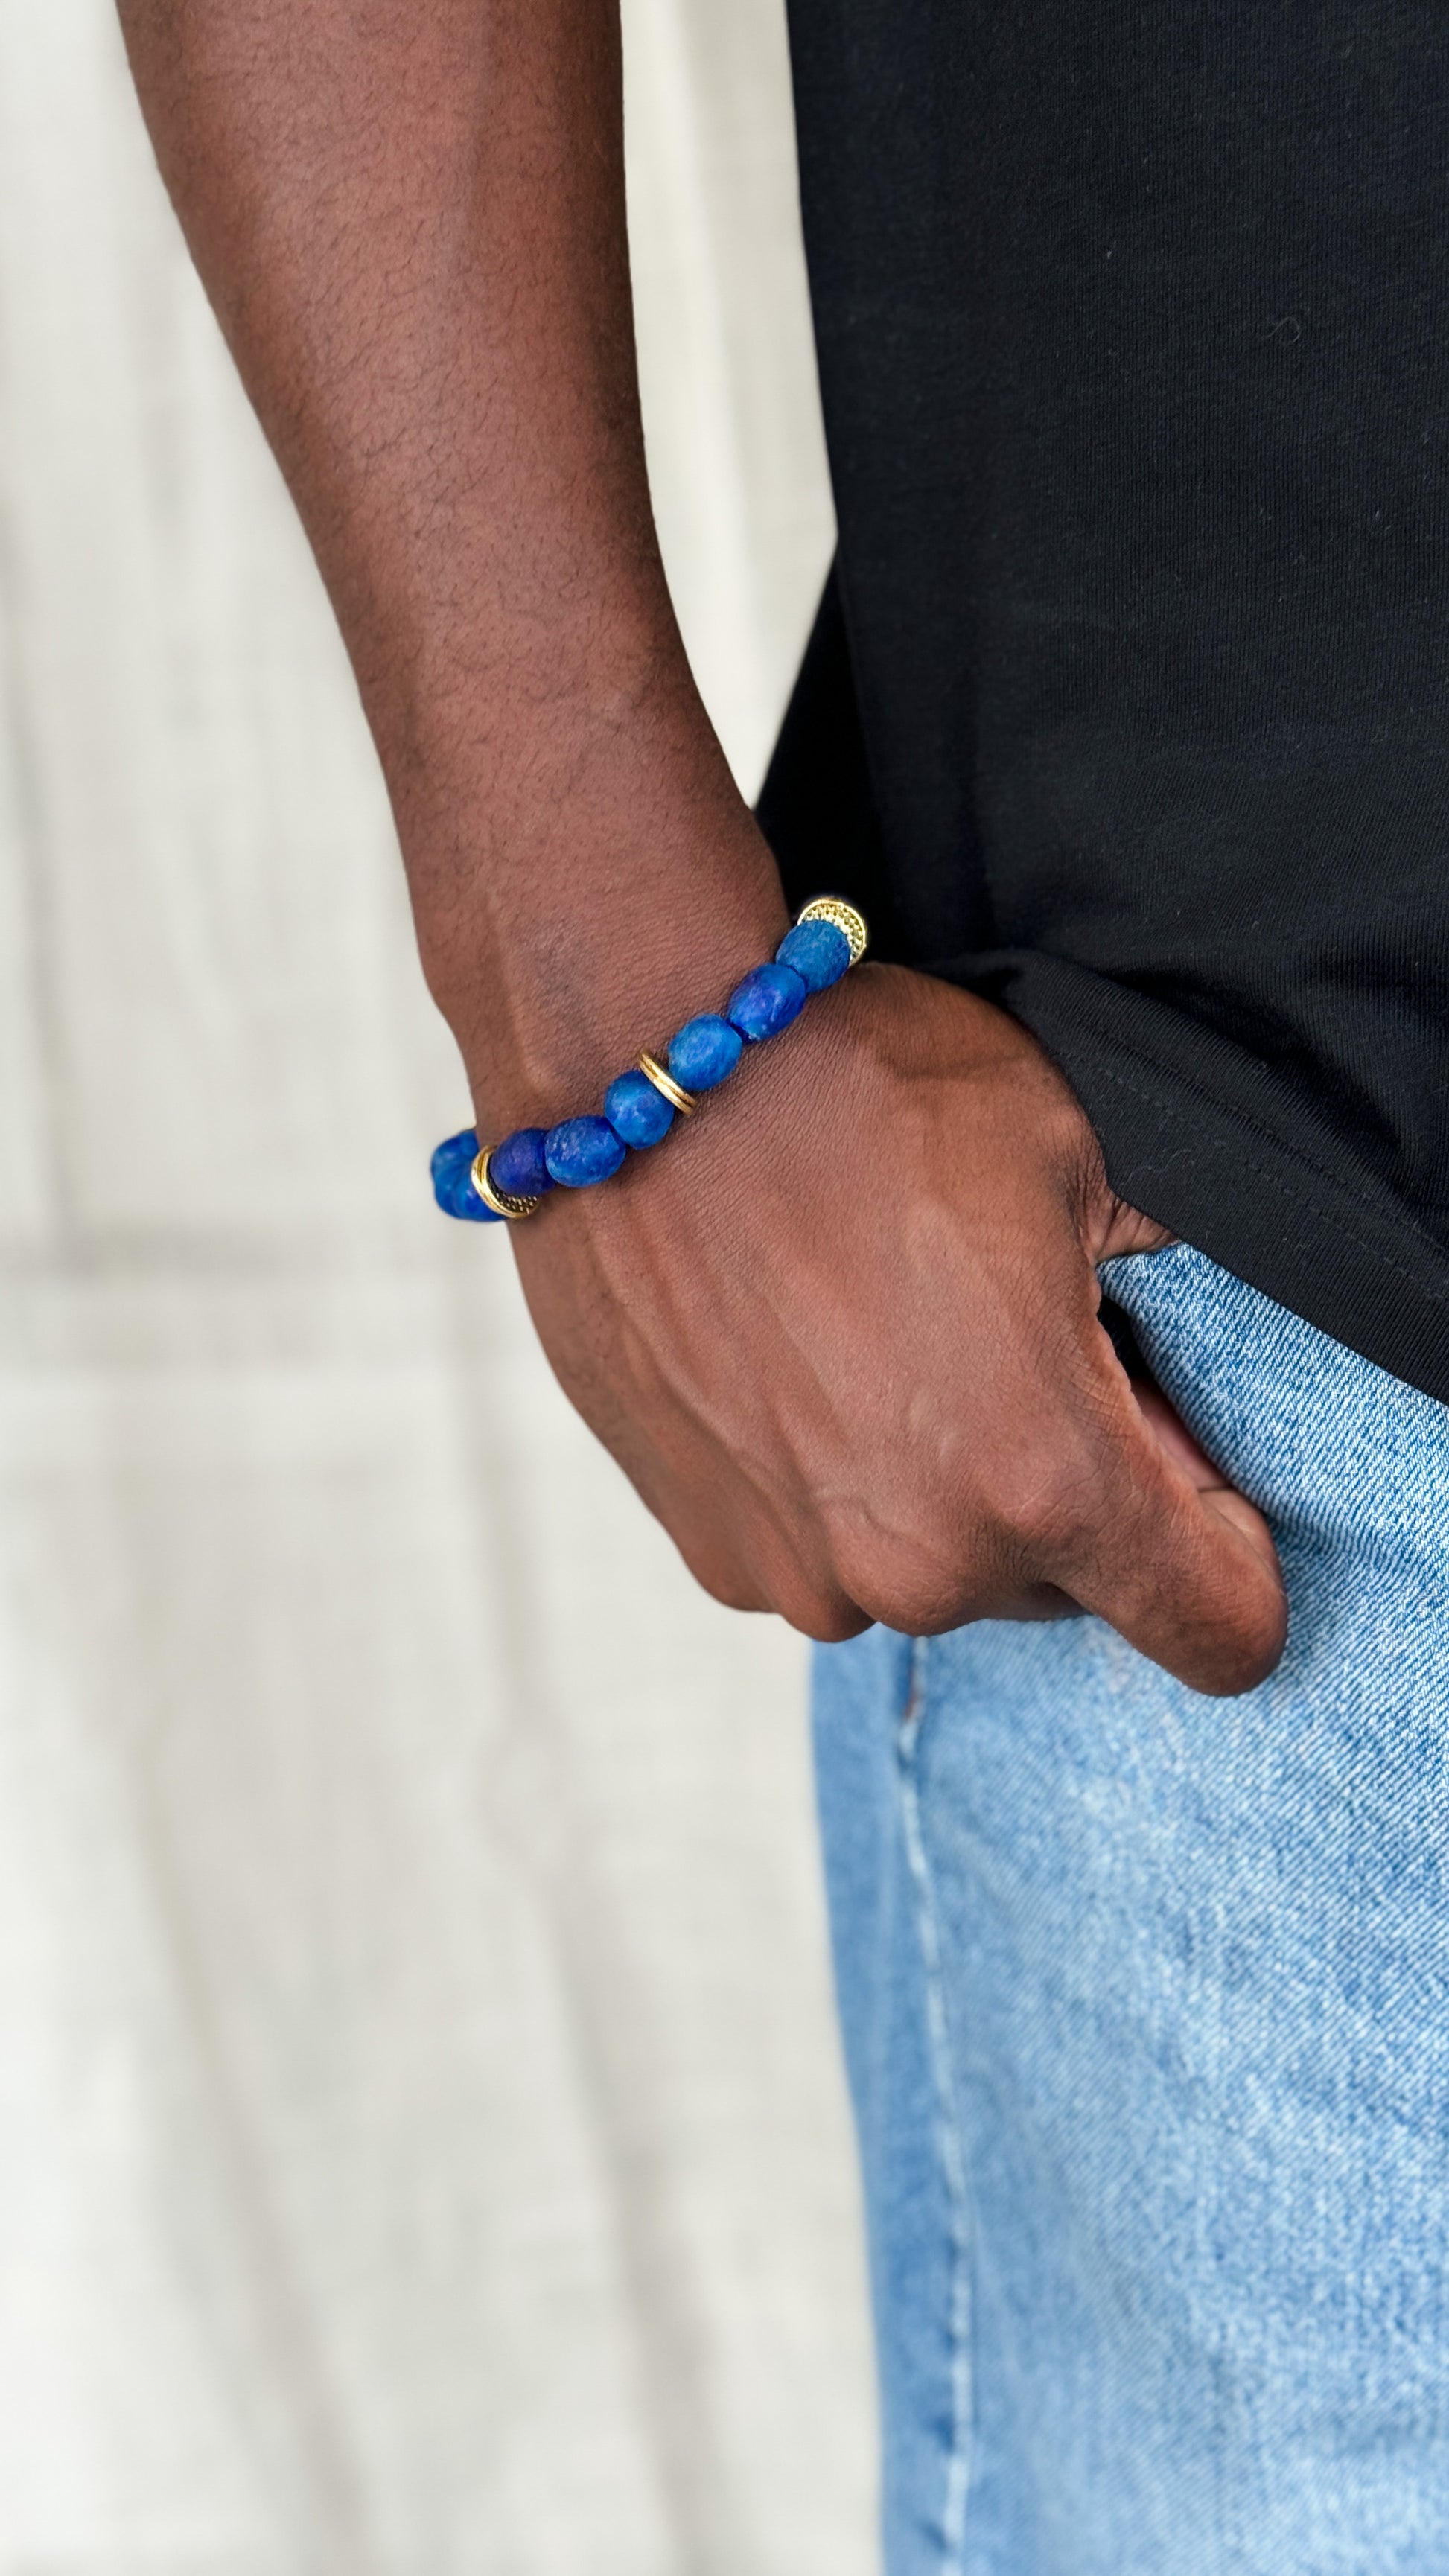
<point x="486" y="1184"/>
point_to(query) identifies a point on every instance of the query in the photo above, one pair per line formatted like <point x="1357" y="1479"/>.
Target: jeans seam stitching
<point x="950" y="2145"/>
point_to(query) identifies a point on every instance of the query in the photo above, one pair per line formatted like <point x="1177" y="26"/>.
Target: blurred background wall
<point x="422" y="2142"/>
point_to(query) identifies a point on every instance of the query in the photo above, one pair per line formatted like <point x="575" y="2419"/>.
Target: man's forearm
<point x="849" y="1351"/>
<point x="410" y="217"/>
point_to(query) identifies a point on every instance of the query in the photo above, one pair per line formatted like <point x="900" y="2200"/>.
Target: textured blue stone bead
<point x="453" y="1189"/>
<point x="817" y="951"/>
<point x="704" y="1052"/>
<point x="581" y="1151"/>
<point x="636" y="1111"/>
<point x="517" y="1165"/>
<point x="767" y="1000"/>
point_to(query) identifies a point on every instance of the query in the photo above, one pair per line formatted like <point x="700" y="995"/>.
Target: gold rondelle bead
<point x="668" y="1089"/>
<point x="502" y="1202"/>
<point x="833" y="907"/>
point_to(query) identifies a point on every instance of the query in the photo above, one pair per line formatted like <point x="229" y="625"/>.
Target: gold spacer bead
<point x="668" y="1089"/>
<point x="833" y="907"/>
<point x="502" y="1202"/>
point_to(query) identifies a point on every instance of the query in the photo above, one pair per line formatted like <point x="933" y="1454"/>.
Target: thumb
<point x="1182" y="1565"/>
<point x="1208" y="1482"/>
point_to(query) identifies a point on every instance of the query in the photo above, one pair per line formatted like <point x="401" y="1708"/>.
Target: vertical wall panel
<point x="422" y="2143"/>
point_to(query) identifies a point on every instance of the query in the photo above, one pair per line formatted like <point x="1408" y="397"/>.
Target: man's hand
<point x="842" y="1334"/>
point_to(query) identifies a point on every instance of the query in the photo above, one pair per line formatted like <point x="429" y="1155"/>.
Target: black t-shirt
<point x="1128" y="704"/>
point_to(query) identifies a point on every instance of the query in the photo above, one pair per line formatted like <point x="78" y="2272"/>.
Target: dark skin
<point x="842" y="1332"/>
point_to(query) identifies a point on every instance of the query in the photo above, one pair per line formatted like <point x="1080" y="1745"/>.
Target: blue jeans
<point x="1146" y="2011"/>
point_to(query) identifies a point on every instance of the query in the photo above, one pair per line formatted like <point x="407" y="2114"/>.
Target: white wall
<point x="422" y="2145"/>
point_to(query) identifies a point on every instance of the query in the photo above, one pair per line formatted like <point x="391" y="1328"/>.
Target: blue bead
<point x="452" y="1168"/>
<point x="581" y="1151"/>
<point x="768" y="999"/>
<point x="636" y="1111"/>
<point x="704" y="1051"/>
<point x="517" y="1165"/>
<point x="818" y="951"/>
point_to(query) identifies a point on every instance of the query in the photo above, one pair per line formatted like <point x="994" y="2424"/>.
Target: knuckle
<point x="733" y="1595"/>
<point x="906" y="1584"/>
<point x="805" y="1597"/>
<point x="723" y="1579"/>
<point x="828" y="1619"/>
<point x="821" y="1611"/>
<point x="924" y="1608"/>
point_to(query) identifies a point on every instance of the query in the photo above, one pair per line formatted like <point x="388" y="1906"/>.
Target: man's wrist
<point x="584" y="871"/>
<point x="550" y="998"/>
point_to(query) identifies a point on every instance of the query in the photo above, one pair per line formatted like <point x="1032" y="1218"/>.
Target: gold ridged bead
<point x="833" y="907"/>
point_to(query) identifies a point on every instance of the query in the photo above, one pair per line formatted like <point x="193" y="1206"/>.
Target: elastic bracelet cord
<point x="493" y="1185"/>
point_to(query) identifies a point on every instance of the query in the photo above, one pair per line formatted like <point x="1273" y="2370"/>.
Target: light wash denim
<point x="1146" y="2011"/>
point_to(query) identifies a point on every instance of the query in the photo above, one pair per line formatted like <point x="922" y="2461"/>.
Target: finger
<point x="756" y="1568"/>
<point x="1173" y="1436"/>
<point x="1186" y="1572"/>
